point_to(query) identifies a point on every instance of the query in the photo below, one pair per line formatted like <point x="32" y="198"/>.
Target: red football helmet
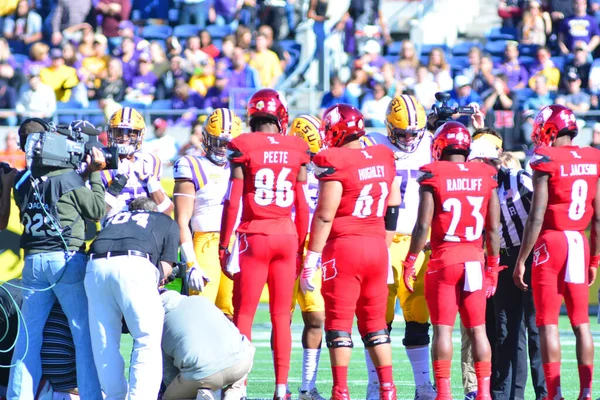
<point x="551" y="121"/>
<point x="268" y="103"/>
<point x="341" y="123"/>
<point x="451" y="135"/>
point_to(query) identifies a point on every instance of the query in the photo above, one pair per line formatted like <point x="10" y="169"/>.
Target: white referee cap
<point x="482" y="148"/>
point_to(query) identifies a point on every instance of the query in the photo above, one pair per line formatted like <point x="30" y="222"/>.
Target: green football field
<point x="261" y="380"/>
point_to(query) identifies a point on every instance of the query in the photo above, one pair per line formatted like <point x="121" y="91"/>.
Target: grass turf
<point x="261" y="380"/>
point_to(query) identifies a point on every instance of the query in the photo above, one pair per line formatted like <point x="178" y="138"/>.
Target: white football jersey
<point x="211" y="182"/>
<point x="142" y="166"/>
<point x="407" y="167"/>
<point x="313" y="192"/>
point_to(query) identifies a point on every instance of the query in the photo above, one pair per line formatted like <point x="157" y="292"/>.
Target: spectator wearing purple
<point x="224" y="12"/>
<point x="129" y="58"/>
<point x="579" y="27"/>
<point x="227" y="48"/>
<point x="371" y="60"/>
<point x="38" y="58"/>
<point x="72" y="58"/>
<point x="113" y="12"/>
<point x="168" y="80"/>
<point x="25" y="26"/>
<point x="241" y="75"/>
<point x="218" y="95"/>
<point x="127" y="30"/>
<point x="8" y="101"/>
<point x="143" y="85"/>
<point x="186" y="99"/>
<point x="9" y="70"/>
<point x="512" y="68"/>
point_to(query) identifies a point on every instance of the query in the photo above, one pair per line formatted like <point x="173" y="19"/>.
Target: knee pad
<point x="330" y="337"/>
<point x="416" y="334"/>
<point x="370" y="342"/>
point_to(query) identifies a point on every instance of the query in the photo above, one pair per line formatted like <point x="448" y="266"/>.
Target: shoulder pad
<point x="323" y="165"/>
<point x="189" y="168"/>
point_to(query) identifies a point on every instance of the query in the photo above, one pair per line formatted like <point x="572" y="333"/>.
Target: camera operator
<point x="131" y="254"/>
<point x="53" y="203"/>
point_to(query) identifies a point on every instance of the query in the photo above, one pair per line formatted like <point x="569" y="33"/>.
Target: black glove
<point x="118" y="183"/>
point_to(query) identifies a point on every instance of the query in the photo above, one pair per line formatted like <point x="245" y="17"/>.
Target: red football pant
<point x="271" y="260"/>
<point x="355" y="282"/>
<point x="445" y="297"/>
<point x="550" y="255"/>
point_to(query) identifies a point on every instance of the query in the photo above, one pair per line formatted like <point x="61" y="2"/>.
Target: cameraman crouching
<point x="127" y="260"/>
<point x="53" y="203"/>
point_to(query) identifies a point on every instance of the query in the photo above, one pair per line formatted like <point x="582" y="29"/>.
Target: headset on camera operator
<point x="53" y="201"/>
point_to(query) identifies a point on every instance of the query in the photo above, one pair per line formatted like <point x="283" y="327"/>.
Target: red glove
<point x="492" y="269"/>
<point x="408" y="271"/>
<point x="594" y="261"/>
<point x="223" y="259"/>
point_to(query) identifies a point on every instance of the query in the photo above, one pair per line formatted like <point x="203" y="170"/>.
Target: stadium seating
<point x="218" y="31"/>
<point x="152" y="32"/>
<point x="19" y="58"/>
<point x="185" y="31"/>
<point x="394" y="48"/>
<point x="458" y="63"/>
<point x="165" y="104"/>
<point x="559" y="62"/>
<point x="527" y="61"/>
<point x="528" y="49"/>
<point x="462" y="49"/>
<point x="501" y="34"/>
<point x="426" y="48"/>
<point x="495" y="48"/>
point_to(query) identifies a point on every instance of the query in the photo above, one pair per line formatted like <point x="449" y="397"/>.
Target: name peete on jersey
<point x="275" y="157"/>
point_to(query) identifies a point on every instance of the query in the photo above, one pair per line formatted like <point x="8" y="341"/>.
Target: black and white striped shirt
<point x="515" y="190"/>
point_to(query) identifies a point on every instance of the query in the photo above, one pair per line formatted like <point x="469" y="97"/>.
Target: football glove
<point x="492" y="269"/>
<point x="408" y="271"/>
<point x="196" y="279"/>
<point x="311" y="263"/>
<point x="224" y="259"/>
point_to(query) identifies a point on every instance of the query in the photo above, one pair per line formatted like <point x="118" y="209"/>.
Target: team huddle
<point x="286" y="206"/>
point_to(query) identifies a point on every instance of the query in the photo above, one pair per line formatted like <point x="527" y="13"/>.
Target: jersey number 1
<point x="268" y="190"/>
<point x="362" y="209"/>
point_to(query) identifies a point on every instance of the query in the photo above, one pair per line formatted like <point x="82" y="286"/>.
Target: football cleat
<point x="373" y="391"/>
<point x="312" y="394"/>
<point x="425" y="392"/>
<point x="340" y="394"/>
<point x="387" y="391"/>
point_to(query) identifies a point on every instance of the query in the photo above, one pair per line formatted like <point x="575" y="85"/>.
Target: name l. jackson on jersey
<point x="580" y="169"/>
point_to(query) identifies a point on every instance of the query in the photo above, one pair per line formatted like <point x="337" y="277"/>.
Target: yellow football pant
<point x="413" y="304"/>
<point x="311" y="301"/>
<point x="220" y="288"/>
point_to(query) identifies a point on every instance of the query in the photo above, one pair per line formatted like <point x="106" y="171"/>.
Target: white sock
<point x="310" y="364"/>
<point x="419" y="360"/>
<point x="280" y="390"/>
<point x="371" y="370"/>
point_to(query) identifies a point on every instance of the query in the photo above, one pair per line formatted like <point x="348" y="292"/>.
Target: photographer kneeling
<point x="128" y="259"/>
<point x="53" y="202"/>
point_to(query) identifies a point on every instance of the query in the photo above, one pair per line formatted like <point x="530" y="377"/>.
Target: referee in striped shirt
<point x="514" y="309"/>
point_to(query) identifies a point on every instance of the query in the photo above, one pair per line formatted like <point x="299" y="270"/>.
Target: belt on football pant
<point x="134" y="253"/>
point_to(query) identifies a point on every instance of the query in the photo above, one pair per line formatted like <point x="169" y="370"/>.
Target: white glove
<point x="196" y="279"/>
<point x="311" y="263"/>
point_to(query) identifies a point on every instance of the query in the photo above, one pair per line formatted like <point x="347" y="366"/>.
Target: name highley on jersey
<point x="464" y="184"/>
<point x="275" y="157"/>
<point x="376" y="171"/>
<point x="580" y="169"/>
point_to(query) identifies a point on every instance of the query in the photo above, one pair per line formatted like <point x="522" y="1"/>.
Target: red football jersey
<point x="366" y="176"/>
<point x="572" y="185"/>
<point x="461" y="193"/>
<point x="271" y="163"/>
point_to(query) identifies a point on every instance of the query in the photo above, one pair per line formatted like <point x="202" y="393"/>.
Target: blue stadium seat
<point x="495" y="48"/>
<point x="391" y="58"/>
<point x="501" y="34"/>
<point x="161" y="105"/>
<point x="185" y="31"/>
<point x="559" y="62"/>
<point x="96" y="119"/>
<point x="424" y="59"/>
<point x="20" y="59"/>
<point x="70" y="105"/>
<point x="133" y="104"/>
<point x="151" y="32"/>
<point x="218" y="43"/>
<point x="218" y="31"/>
<point x="528" y="49"/>
<point x="462" y="49"/>
<point x="527" y="61"/>
<point x="394" y="48"/>
<point x="459" y="62"/>
<point x="426" y="48"/>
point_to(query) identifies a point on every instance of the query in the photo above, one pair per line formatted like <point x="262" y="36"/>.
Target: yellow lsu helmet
<point x="307" y="127"/>
<point x="126" y="129"/>
<point x="219" y="128"/>
<point x="405" y="121"/>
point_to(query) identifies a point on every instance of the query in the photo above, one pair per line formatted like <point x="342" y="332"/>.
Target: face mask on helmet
<point x="407" y="140"/>
<point x="216" y="148"/>
<point x="126" y="139"/>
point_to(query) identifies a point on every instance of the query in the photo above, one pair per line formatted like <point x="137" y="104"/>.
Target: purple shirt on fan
<point x="576" y="29"/>
<point x="194" y="100"/>
<point x="216" y="98"/>
<point x="515" y="73"/>
<point x="225" y="7"/>
<point x="145" y="83"/>
<point x="130" y="69"/>
<point x="30" y="66"/>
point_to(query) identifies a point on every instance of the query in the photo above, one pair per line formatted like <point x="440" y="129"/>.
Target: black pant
<point x="515" y="312"/>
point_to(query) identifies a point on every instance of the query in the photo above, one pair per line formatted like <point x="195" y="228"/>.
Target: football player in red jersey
<point x="268" y="171"/>
<point x="565" y="184"/>
<point x="458" y="201"/>
<point x="348" y="234"/>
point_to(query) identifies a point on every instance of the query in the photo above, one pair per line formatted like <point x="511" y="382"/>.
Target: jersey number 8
<point x="578" y="198"/>
<point x="267" y="190"/>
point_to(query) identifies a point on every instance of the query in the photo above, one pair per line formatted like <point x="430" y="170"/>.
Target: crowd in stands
<point x="104" y="54"/>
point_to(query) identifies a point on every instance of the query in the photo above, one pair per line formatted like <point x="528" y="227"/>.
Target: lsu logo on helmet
<point x="307" y="127"/>
<point x="219" y="128"/>
<point x="126" y="129"/>
<point x="405" y="122"/>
